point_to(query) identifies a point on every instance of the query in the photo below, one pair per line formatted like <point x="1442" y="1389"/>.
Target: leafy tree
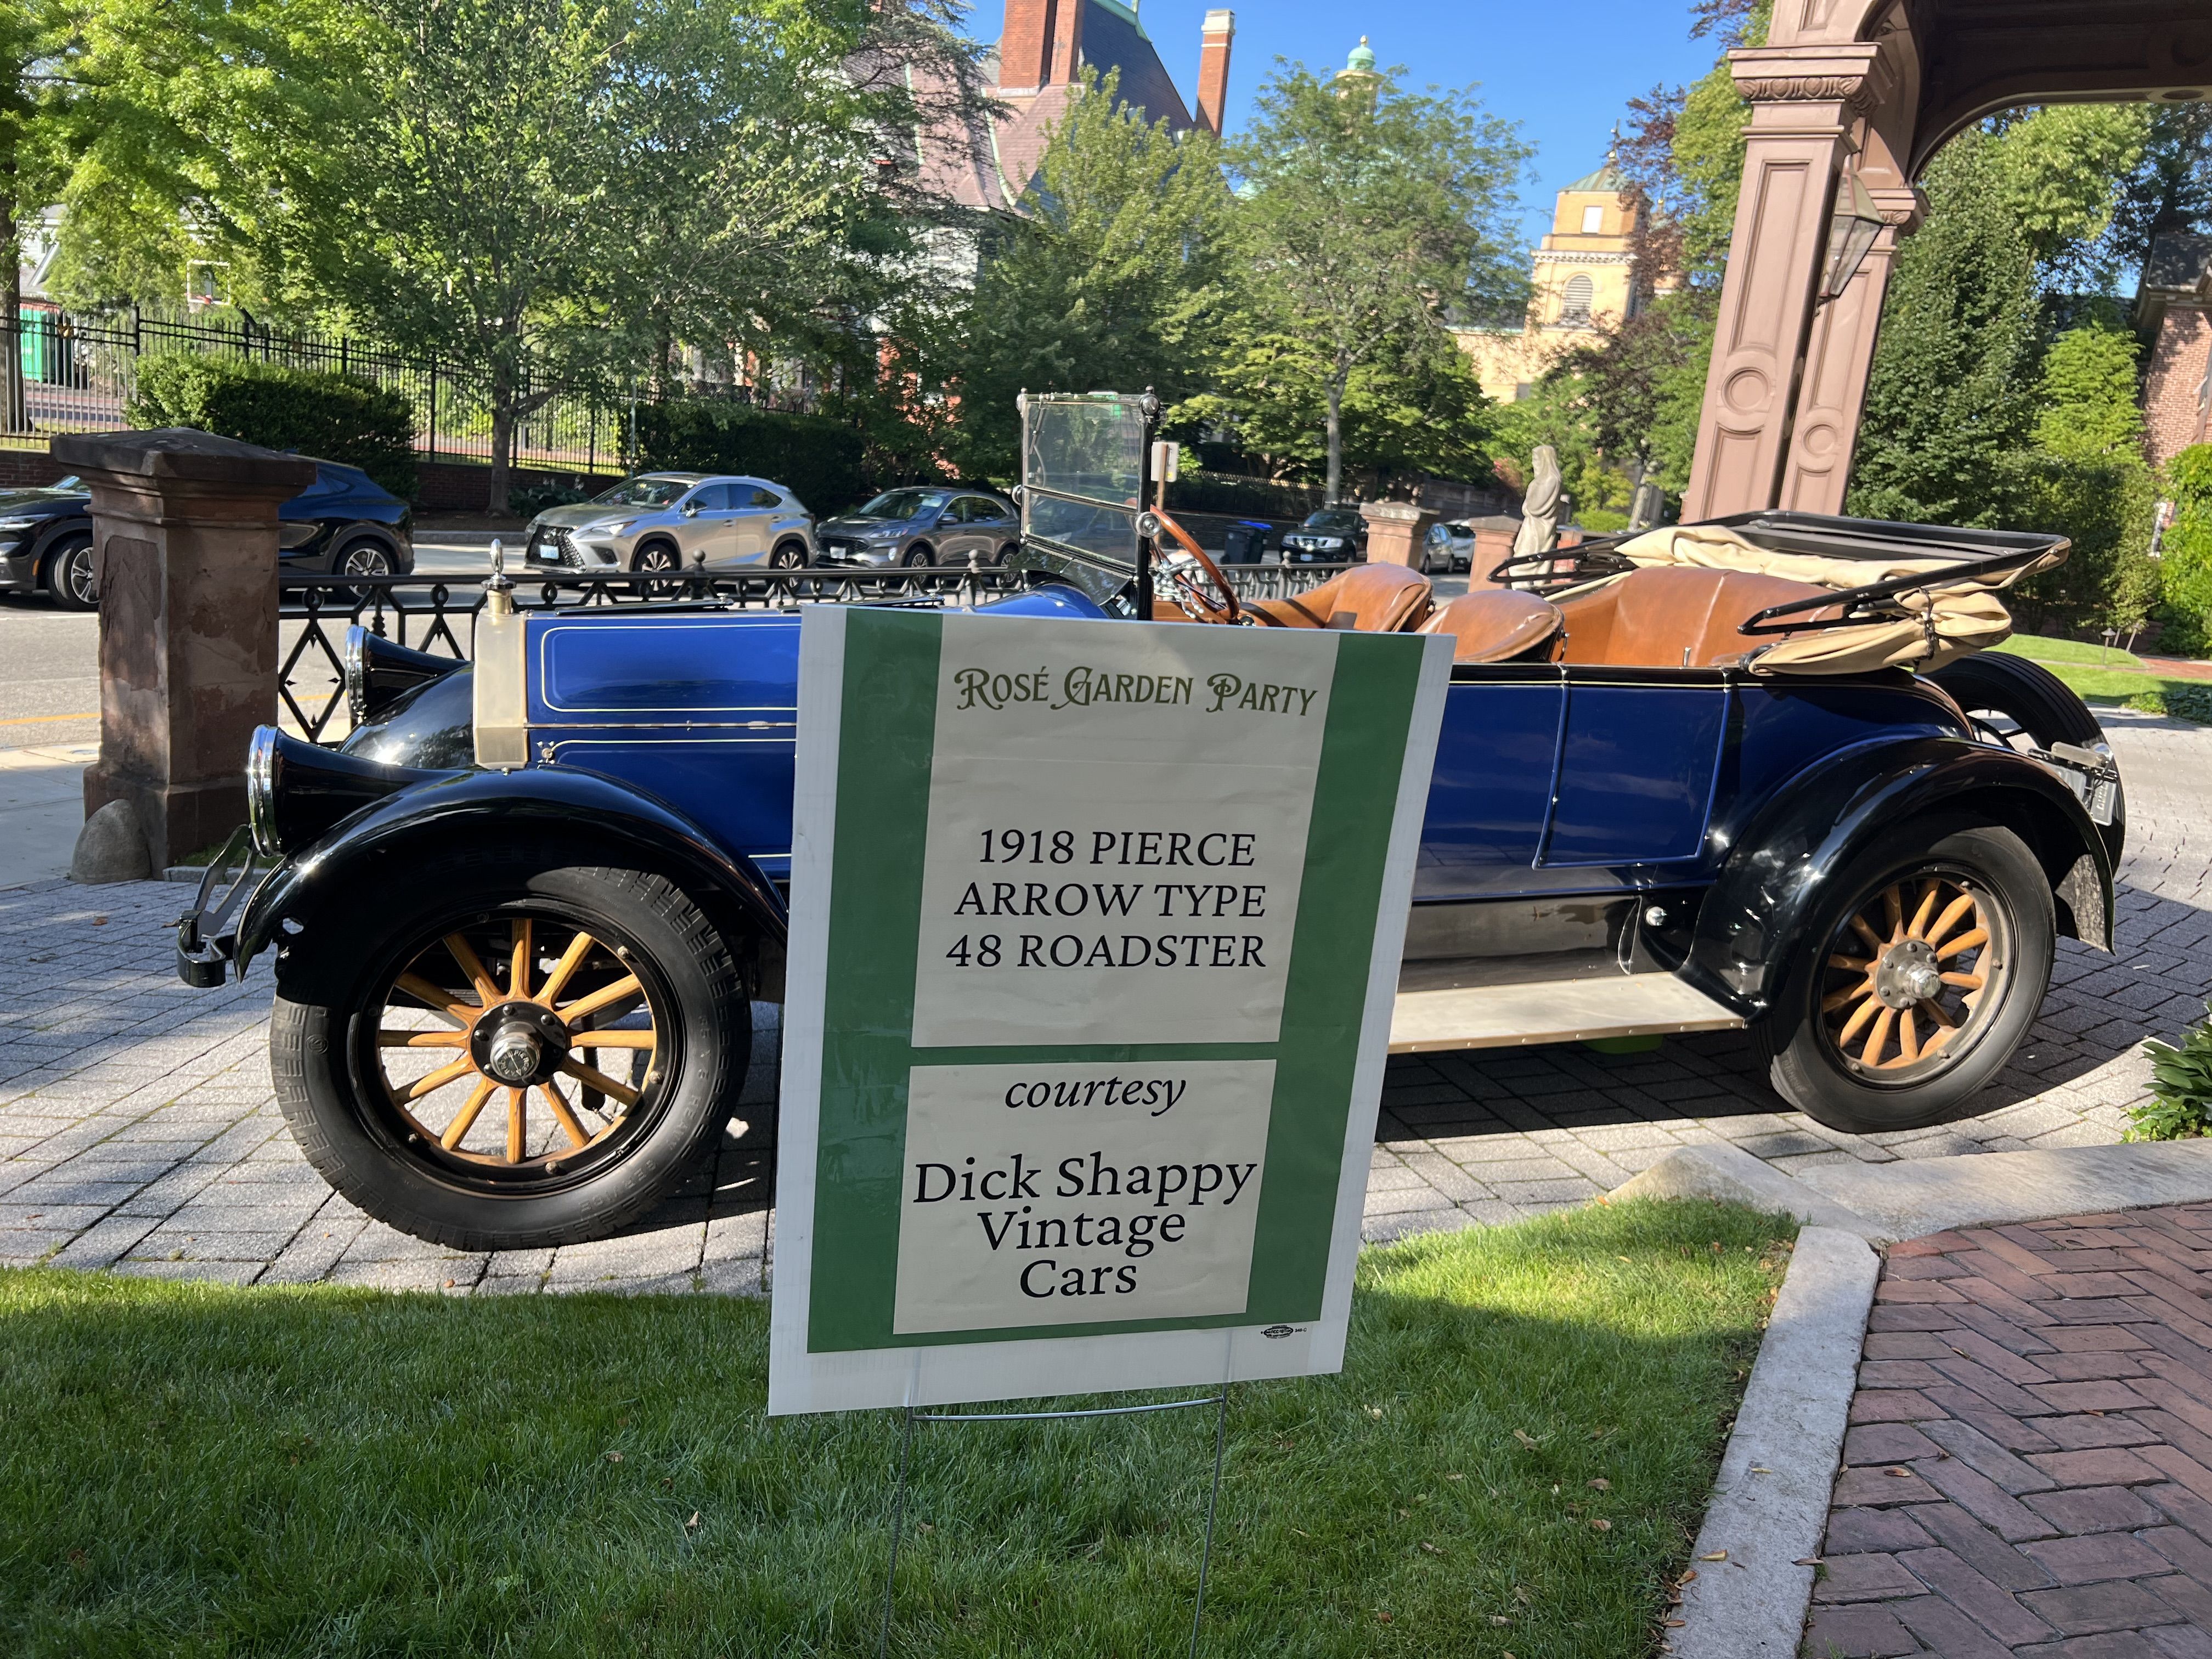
<point x="1099" y="278"/>
<point x="1952" y="392"/>
<point x="2187" y="572"/>
<point x="2086" y="477"/>
<point x="1639" y="389"/>
<point x="1364" y="219"/>
<point x="527" y="187"/>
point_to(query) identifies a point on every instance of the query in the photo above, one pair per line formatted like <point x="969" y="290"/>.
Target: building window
<point x="1593" y="220"/>
<point x="1575" y="306"/>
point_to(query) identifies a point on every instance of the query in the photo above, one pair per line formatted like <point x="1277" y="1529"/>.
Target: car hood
<point x="18" y="503"/>
<point x="587" y="513"/>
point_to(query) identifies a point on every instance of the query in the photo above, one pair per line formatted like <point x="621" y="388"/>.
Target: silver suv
<point x="676" y="520"/>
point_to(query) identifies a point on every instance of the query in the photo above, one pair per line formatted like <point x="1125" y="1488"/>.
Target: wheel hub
<point x="1908" y="975"/>
<point x="519" y="1044"/>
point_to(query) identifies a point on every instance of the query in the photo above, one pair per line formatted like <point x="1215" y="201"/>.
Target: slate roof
<point x="2180" y="259"/>
<point x="990" y="166"/>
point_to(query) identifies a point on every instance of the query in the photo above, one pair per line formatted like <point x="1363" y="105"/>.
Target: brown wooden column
<point x="185" y="547"/>
<point x="1803" y="105"/>
<point x="1831" y="394"/>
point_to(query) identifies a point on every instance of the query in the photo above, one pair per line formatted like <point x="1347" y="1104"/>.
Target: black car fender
<point x="53" y="531"/>
<point x="589" y="816"/>
<point x="1775" y="875"/>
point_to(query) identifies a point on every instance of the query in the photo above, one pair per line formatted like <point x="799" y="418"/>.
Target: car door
<point x="995" y="526"/>
<point x="958" y="536"/>
<point x="755" y="519"/>
<point x="1565" y="779"/>
<point x="703" y="524"/>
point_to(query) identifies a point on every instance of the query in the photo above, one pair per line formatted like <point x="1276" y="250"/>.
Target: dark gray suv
<point x="922" y="524"/>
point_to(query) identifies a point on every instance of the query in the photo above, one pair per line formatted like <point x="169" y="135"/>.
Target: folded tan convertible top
<point x="1940" y="623"/>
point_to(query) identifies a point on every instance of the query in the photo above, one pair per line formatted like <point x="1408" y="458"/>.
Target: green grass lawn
<point x="2101" y="676"/>
<point x="1515" y="1460"/>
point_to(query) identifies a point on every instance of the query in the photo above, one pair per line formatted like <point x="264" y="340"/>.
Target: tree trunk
<point x="503" y="432"/>
<point x="14" y="411"/>
<point x="1336" y="439"/>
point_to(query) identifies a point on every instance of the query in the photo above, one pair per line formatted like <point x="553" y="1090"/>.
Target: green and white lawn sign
<point x="1095" y="937"/>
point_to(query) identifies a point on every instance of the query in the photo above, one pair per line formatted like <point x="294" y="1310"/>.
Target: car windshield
<point x="643" y="492"/>
<point x="1333" y="518"/>
<point x="903" y="504"/>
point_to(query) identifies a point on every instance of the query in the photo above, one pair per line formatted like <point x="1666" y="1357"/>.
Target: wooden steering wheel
<point x="1190" y="594"/>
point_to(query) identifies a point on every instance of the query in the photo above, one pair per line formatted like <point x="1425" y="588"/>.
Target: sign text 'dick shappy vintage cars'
<point x="1095" y="930"/>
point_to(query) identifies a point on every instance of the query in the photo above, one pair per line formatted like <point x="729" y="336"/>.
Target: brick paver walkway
<point x="138" y="1129"/>
<point x="2029" y="1471"/>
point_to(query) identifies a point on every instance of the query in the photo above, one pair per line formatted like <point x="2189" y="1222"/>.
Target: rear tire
<point x="344" y="1083"/>
<point x="69" y="573"/>
<point x="2022" y="705"/>
<point x="1828" y="1006"/>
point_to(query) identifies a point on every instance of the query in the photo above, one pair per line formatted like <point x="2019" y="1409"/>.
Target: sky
<point x="1565" y="72"/>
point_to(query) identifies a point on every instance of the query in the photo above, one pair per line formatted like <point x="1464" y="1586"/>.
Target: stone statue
<point x="1540" y="507"/>
<point x="1643" y="512"/>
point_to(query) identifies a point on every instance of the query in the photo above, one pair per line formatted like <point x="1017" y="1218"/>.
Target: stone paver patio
<point x="138" y="1130"/>
<point x="2028" y="1474"/>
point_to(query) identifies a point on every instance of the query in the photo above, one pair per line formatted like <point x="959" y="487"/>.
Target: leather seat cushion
<point x="1368" y="598"/>
<point x="1495" y="625"/>
<point x="1673" y="617"/>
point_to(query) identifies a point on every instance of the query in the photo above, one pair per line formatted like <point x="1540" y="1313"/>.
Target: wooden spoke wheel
<point x="1910" y="973"/>
<point x="1914" y="980"/>
<point x="517" y="1045"/>
<point x="496" y="1050"/>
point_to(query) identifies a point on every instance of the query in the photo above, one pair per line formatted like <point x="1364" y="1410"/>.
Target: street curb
<point x="1769" y="1506"/>
<point x="1727" y="1173"/>
<point x="1913" y="1198"/>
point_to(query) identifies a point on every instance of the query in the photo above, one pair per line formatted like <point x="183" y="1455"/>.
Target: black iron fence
<point x="79" y="371"/>
<point x="439" y="614"/>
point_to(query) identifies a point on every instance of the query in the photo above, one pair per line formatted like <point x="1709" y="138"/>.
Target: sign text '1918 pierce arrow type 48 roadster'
<point x="1747" y="774"/>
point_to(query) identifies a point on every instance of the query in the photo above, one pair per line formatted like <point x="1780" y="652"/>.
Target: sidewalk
<point x="41" y="810"/>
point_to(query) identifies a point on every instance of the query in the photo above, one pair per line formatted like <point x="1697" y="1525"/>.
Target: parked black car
<point x="1335" y="535"/>
<point x="344" y="523"/>
<point x="931" y="523"/>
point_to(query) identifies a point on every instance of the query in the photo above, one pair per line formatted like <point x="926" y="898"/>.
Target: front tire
<point x="512" y="1053"/>
<point x="789" y="556"/>
<point x="1956" y="934"/>
<point x="69" y="573"/>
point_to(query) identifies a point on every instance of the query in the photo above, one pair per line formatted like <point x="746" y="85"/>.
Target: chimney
<point x="1066" y="19"/>
<point x="1219" y="29"/>
<point x="1026" y="54"/>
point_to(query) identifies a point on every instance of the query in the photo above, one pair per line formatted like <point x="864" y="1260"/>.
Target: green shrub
<point x="332" y="417"/>
<point x="527" y="501"/>
<point x="2181" y="1089"/>
<point x="1601" y="520"/>
<point x="2185" y="702"/>
<point x="820" y="460"/>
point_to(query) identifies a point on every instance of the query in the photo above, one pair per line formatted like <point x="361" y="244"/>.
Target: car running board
<point x="1553" y="1010"/>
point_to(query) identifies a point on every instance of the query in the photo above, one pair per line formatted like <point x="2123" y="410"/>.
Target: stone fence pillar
<point x="184" y="528"/>
<point x="1395" y="529"/>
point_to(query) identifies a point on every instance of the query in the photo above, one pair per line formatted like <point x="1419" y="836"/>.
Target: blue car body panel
<point x="700" y="711"/>
<point x="1550" y="781"/>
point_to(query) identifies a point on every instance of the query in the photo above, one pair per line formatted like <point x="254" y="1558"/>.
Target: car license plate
<point x="2098" y="791"/>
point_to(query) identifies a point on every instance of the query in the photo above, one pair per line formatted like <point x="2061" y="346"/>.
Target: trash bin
<point x="1247" y="539"/>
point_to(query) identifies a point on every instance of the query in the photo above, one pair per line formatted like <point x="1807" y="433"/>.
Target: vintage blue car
<point x="521" y="918"/>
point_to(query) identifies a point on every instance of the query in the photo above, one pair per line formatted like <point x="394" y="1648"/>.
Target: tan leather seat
<point x="1368" y="598"/>
<point x="1495" y="625"/>
<point x="1671" y="617"/>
